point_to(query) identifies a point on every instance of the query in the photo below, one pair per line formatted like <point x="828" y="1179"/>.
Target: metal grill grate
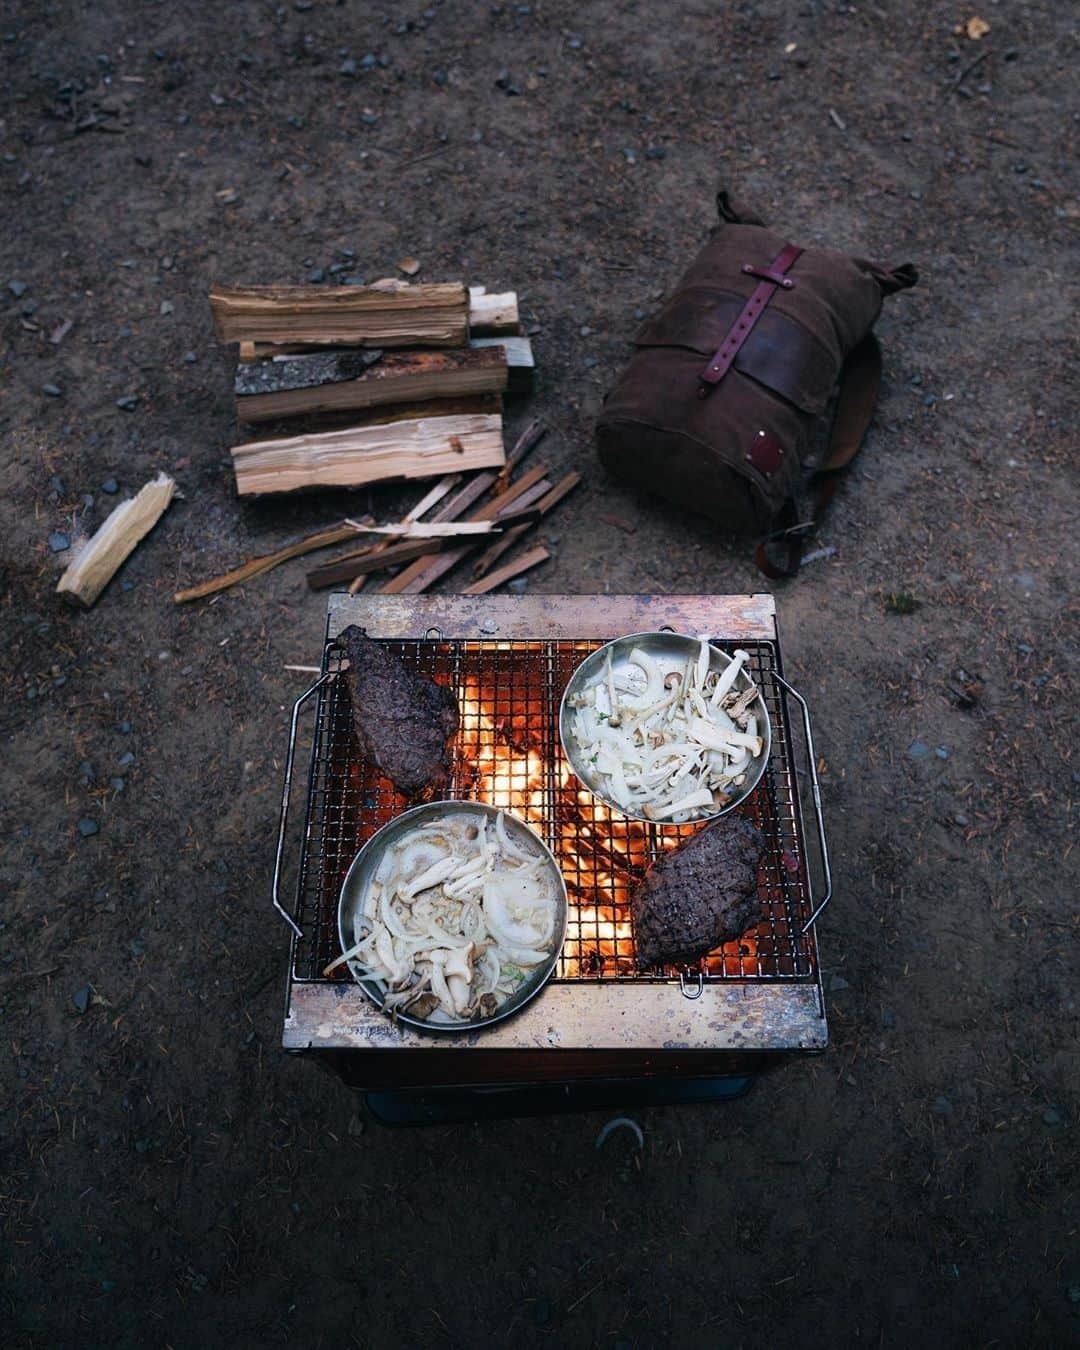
<point x="507" y="752"/>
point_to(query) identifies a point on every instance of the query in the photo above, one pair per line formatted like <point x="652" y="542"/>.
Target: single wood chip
<point x="532" y="558"/>
<point x="627" y="526"/>
<point x="88" y="575"/>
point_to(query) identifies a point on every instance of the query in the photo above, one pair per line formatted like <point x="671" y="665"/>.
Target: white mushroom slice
<point x="435" y="873"/>
<point x="701" y="797"/>
<point x="508" y="846"/>
<point x="702" y="664"/>
<point x="371" y="900"/>
<point x="712" y="737"/>
<point x="460" y="963"/>
<point x="727" y="677"/>
<point x="459" y="992"/>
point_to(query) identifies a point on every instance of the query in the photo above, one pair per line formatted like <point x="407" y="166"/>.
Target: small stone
<point x="87" y="827"/>
<point x="917" y="750"/>
<point x="837" y="984"/>
<point x="125" y="760"/>
<point x="18" y="288"/>
<point x="59" y="543"/>
<point x="110" y="486"/>
<point x="584" y="330"/>
<point x="355" y="1126"/>
<point x="128" y="403"/>
<point x="190" y="358"/>
<point x="960" y="819"/>
<point x="655" y="152"/>
<point x="441" y="78"/>
<point x="518" y="586"/>
<point x="117" y="784"/>
<point x="1074" y="1289"/>
<point x="629" y="154"/>
<point x="941" y="1106"/>
<point x="56" y="484"/>
<point x="1052" y="1117"/>
<point x="348" y="68"/>
<point x="1025" y="649"/>
<point x="590" y="362"/>
<point x="296" y="122"/>
<point x="81" y="998"/>
<point x="915" y="195"/>
<point x="166" y="307"/>
<point x="942" y="752"/>
<point x="316" y="275"/>
<point x="86" y="771"/>
<point x="369" y="61"/>
<point x="124" y="728"/>
<point x="51" y="390"/>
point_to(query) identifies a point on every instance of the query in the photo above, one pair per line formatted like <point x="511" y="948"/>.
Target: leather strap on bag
<point x="860" y="380"/>
<point x="771" y="278"/>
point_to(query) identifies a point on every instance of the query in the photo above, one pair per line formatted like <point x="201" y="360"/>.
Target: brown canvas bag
<point x="718" y="407"/>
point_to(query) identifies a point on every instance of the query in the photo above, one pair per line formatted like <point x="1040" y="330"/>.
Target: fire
<point x="509" y="755"/>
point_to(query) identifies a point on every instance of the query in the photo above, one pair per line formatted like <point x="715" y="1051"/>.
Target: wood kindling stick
<point x="424" y="572"/>
<point x="425" y="529"/>
<point x="529" y="439"/>
<point x="426" y="502"/>
<point x="522" y="563"/>
<point x="546" y="503"/>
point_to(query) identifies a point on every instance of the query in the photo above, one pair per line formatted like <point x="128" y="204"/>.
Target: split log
<point x="416" y="448"/>
<point x="397" y="315"/>
<point x="508" y="571"/>
<point x="332" y="381"/>
<point x="88" y="575"/>
<point x="521" y="368"/>
<point x="492" y="315"/>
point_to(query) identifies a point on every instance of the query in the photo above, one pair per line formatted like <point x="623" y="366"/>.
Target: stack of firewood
<point x="417" y="374"/>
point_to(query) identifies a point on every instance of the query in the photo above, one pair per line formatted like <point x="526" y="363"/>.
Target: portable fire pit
<point x="602" y="1029"/>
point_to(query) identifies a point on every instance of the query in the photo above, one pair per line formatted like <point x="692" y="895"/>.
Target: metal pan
<point x="673" y="650"/>
<point x="362" y="872"/>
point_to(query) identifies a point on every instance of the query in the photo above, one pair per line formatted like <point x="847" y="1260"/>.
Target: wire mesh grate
<point x="507" y="752"/>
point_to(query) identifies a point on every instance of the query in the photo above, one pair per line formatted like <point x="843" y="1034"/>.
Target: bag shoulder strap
<point x="860" y="380"/>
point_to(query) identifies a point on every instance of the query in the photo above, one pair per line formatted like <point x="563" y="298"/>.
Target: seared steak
<point x="699" y="895"/>
<point x="404" y="723"/>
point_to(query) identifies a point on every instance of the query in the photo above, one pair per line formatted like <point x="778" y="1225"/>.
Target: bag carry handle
<point x="860" y="380"/>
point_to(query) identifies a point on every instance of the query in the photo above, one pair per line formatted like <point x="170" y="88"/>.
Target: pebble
<point x="960" y="819"/>
<point x="166" y="307"/>
<point x="86" y="771"/>
<point x="316" y="275"/>
<point x="190" y="358"/>
<point x="518" y="586"/>
<point x="590" y="362"/>
<point x="942" y="752"/>
<point x="441" y="78"/>
<point x="348" y="68"/>
<point x="1052" y="1117"/>
<point x="81" y="998"/>
<point x="629" y="155"/>
<point x="57" y="484"/>
<point x="941" y="1106"/>
<point x="59" y="543"/>
<point x="837" y="984"/>
<point x="110" y="486"/>
<point x="655" y="152"/>
<point x="355" y="1126"/>
<point x="117" y="784"/>
<point x="917" y="749"/>
<point x="296" y="122"/>
<point x="1025" y="649"/>
<point x="125" y="759"/>
<point x="52" y="390"/>
<point x="128" y="403"/>
<point x="124" y="728"/>
<point x="18" y="288"/>
<point x="87" y="827"/>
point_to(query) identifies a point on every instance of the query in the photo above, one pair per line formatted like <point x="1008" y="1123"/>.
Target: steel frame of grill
<point x="508" y="660"/>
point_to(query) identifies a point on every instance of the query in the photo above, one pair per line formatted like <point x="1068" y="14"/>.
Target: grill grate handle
<point x="815" y="788"/>
<point x="285" y="794"/>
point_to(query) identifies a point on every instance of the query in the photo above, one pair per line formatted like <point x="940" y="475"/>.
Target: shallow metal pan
<point x="363" y="870"/>
<point x="673" y="649"/>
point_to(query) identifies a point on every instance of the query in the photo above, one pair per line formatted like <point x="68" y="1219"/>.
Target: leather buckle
<point x="767" y="274"/>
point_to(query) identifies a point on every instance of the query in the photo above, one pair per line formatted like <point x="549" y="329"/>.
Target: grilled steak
<point x="404" y="723"/>
<point x="699" y="895"/>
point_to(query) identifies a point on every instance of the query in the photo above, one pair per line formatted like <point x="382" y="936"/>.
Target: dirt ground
<point x="169" y="1177"/>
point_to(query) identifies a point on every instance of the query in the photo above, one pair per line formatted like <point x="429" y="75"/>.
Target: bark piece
<point x="330" y="381"/>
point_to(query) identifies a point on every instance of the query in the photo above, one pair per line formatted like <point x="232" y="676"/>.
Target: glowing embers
<point x="503" y="741"/>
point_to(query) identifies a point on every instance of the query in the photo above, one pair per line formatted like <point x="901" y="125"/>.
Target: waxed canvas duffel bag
<point x="718" y="407"/>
